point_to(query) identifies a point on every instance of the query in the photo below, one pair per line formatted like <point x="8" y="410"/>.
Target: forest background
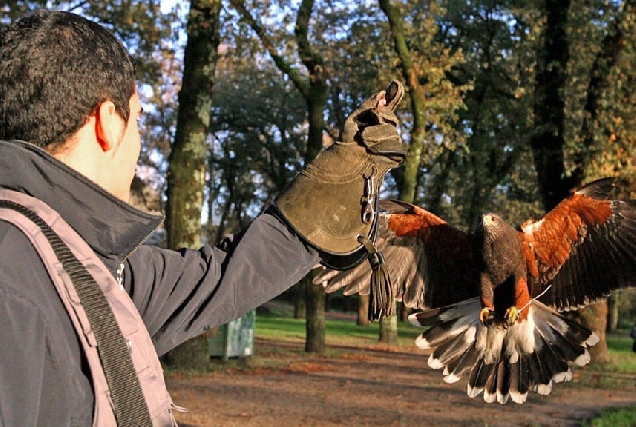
<point x="510" y="105"/>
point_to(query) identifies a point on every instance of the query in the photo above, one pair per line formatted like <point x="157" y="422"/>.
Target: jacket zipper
<point x="122" y="265"/>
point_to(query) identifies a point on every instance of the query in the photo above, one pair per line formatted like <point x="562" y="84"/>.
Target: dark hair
<point x="56" y="68"/>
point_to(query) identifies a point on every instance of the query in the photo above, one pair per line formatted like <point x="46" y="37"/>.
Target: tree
<point x="259" y="138"/>
<point x="423" y="64"/>
<point x="313" y="88"/>
<point x="187" y="161"/>
<point x="489" y="171"/>
<point x="549" y="141"/>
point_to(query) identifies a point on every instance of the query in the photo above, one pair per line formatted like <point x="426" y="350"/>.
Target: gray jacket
<point x="44" y="377"/>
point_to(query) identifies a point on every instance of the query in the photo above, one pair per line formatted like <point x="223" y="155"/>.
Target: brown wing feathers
<point x="447" y="264"/>
<point x="554" y="236"/>
<point x="583" y="249"/>
<point x="410" y="220"/>
<point x="402" y="259"/>
<point x="431" y="263"/>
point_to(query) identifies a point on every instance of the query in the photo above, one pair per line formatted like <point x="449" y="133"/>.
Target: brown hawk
<point x="492" y="298"/>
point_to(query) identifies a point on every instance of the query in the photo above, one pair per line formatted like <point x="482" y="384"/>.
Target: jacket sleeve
<point x="181" y="294"/>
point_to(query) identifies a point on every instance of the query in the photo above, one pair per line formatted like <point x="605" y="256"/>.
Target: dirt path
<point x="369" y="387"/>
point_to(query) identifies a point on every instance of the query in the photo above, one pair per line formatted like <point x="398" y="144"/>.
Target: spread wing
<point x="431" y="263"/>
<point x="401" y="260"/>
<point x="583" y="249"/>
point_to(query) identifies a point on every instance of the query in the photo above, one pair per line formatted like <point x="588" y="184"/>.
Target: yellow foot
<point x="512" y="315"/>
<point x="486" y="316"/>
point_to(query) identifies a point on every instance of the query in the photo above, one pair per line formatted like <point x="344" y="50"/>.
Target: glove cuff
<point x="333" y="260"/>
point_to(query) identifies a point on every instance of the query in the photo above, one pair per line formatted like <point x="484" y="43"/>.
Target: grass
<point x="624" y="417"/>
<point x="279" y="326"/>
<point x="618" y="373"/>
<point x="621" y="369"/>
<point x="623" y="359"/>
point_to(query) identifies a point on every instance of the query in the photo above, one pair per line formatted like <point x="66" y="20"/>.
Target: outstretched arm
<point x="181" y="294"/>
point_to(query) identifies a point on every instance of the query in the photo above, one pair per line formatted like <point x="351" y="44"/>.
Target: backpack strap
<point x="130" y="406"/>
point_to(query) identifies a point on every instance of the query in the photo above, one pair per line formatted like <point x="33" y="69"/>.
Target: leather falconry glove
<point x="333" y="202"/>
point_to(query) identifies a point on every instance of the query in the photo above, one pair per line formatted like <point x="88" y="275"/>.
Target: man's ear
<point x="109" y="126"/>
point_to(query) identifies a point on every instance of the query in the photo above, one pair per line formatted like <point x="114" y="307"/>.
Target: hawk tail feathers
<point x="503" y="361"/>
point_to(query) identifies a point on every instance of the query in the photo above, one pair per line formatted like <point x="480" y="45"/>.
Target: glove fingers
<point x="383" y="115"/>
<point x="370" y="102"/>
<point x="377" y="109"/>
<point x="388" y="99"/>
<point x="373" y="135"/>
<point x="383" y="140"/>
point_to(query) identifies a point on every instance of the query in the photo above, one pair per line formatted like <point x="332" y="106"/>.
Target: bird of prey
<point x="494" y="298"/>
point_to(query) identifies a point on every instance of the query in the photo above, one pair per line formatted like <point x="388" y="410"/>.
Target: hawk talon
<point x="512" y="315"/>
<point x="486" y="316"/>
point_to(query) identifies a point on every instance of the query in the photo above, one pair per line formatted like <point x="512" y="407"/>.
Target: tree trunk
<point x="548" y="141"/>
<point x="404" y="312"/>
<point x="187" y="161"/>
<point x="315" y="326"/>
<point x="602" y="316"/>
<point x="417" y="97"/>
<point x="612" y="312"/>
<point x="363" y="310"/>
<point x="389" y="329"/>
<point x="594" y="317"/>
<point x="316" y="96"/>
<point x="193" y="354"/>
<point x="408" y="183"/>
<point x="300" y="304"/>
<point x="314" y="91"/>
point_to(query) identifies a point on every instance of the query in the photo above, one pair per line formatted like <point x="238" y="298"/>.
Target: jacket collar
<point x="111" y="227"/>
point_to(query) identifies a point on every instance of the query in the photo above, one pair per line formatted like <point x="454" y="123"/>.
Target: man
<point x="69" y="144"/>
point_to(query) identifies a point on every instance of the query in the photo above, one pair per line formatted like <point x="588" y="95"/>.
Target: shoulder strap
<point x="129" y="404"/>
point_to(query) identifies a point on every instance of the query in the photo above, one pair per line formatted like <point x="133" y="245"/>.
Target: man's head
<point x="65" y="80"/>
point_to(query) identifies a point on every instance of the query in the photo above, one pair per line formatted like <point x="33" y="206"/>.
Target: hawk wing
<point x="402" y="261"/>
<point x="431" y="263"/>
<point x="583" y="249"/>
